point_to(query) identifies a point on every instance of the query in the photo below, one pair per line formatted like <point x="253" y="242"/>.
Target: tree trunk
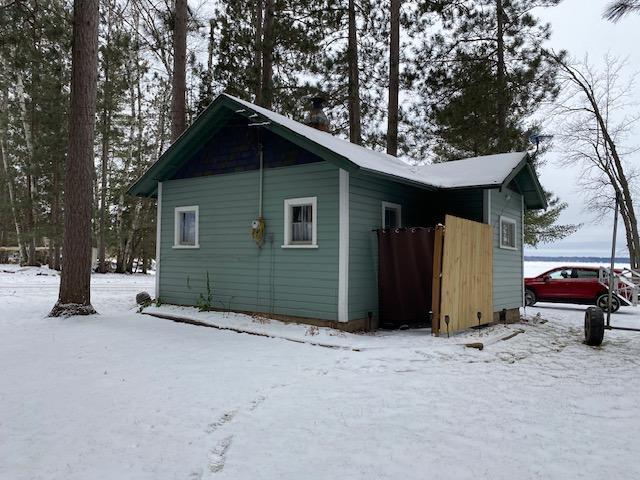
<point x="106" y="132"/>
<point x="75" y="281"/>
<point x="12" y="202"/>
<point x="56" y="236"/>
<point x="257" y="51"/>
<point x="267" y="54"/>
<point x="355" y="128"/>
<point x="129" y="250"/>
<point x="394" y="79"/>
<point x="179" y="78"/>
<point x="501" y="109"/>
<point x="210" y="49"/>
<point x="32" y="215"/>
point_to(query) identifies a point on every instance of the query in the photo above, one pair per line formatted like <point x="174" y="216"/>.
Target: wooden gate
<point x="463" y="275"/>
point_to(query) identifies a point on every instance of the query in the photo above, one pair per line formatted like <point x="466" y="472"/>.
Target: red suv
<point x="569" y="285"/>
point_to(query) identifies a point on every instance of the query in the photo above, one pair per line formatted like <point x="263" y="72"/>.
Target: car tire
<point x="603" y="302"/>
<point x="593" y="326"/>
<point x="530" y="298"/>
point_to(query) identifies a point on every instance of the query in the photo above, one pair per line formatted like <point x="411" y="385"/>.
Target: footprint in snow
<point x="256" y="403"/>
<point x="217" y="456"/>
<point x="225" y="418"/>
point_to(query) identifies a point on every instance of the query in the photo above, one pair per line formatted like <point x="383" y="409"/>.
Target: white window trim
<point x="294" y="202"/>
<point x="511" y="221"/>
<point x="394" y="206"/>
<point x="176" y="226"/>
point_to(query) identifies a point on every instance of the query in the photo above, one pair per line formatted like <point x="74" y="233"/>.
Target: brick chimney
<point x="316" y="117"/>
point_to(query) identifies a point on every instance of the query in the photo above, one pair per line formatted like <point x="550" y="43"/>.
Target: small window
<point x="391" y="215"/>
<point x="507" y="233"/>
<point x="186" y="227"/>
<point x="300" y="223"/>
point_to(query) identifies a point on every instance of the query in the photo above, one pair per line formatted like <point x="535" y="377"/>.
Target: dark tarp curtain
<point x="405" y="275"/>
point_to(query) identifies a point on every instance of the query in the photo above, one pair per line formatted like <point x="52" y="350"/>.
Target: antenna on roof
<point x="538" y="138"/>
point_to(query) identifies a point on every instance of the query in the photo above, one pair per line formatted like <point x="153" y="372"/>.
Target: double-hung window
<point x="186" y="227"/>
<point x="391" y="215"/>
<point x="508" y="233"/>
<point x="300" y="222"/>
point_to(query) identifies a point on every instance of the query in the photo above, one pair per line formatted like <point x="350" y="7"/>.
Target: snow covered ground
<point x="126" y="396"/>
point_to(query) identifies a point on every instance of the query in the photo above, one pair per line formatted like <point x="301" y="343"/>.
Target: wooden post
<point x="437" y="278"/>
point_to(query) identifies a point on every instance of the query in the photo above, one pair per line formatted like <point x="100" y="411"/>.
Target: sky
<point x="579" y="28"/>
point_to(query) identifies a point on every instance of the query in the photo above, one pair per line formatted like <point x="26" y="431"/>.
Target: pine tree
<point x="487" y="74"/>
<point x="75" y="281"/>
<point x="266" y="48"/>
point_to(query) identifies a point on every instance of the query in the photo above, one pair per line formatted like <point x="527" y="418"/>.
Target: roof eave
<point x="525" y="164"/>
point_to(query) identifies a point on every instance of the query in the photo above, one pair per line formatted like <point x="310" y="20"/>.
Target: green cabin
<point x="280" y="216"/>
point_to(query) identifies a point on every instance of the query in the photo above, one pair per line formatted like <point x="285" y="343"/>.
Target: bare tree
<point x="619" y="8"/>
<point x="394" y="79"/>
<point x="597" y="124"/>
<point x="75" y="282"/>
<point x="179" y="78"/>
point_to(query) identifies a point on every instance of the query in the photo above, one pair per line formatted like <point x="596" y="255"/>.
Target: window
<point x="391" y="215"/>
<point x="186" y="227"/>
<point x="585" y="273"/>
<point x="559" y="275"/>
<point x="300" y="223"/>
<point x="507" y="233"/>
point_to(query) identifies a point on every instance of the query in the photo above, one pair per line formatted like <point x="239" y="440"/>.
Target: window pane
<point x="188" y="228"/>
<point x="390" y="218"/>
<point x="559" y="274"/>
<point x="301" y="224"/>
<point x="508" y="232"/>
<point x="587" y="273"/>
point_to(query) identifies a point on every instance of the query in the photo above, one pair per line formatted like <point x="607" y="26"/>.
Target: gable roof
<point x="492" y="171"/>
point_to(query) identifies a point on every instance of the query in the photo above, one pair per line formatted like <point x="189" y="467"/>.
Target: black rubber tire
<point x="603" y="302"/>
<point x="530" y="298"/>
<point x="593" y="326"/>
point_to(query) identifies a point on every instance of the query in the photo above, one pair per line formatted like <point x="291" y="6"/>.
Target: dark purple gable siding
<point x="235" y="149"/>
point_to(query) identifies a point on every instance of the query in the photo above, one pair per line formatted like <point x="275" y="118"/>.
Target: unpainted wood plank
<point x="436" y="284"/>
<point x="467" y="274"/>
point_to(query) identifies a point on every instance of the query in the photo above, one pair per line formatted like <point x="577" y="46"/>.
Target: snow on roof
<point x="486" y="170"/>
<point x="477" y="171"/>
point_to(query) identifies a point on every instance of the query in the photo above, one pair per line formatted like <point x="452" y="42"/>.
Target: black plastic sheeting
<point x="405" y="276"/>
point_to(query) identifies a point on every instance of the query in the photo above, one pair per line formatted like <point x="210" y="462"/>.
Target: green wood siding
<point x="366" y="194"/>
<point x="507" y="264"/>
<point x="462" y="203"/>
<point x="297" y="282"/>
<point x="420" y="208"/>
